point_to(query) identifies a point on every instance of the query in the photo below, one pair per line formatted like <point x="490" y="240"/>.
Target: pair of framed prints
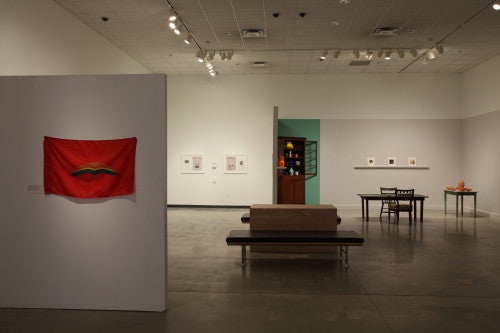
<point x="391" y="161"/>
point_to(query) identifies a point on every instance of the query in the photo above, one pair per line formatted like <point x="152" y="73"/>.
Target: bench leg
<point x="243" y="256"/>
<point x="344" y="253"/>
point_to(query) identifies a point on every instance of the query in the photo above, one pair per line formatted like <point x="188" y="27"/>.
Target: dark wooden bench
<point x="245" y="218"/>
<point x="343" y="239"/>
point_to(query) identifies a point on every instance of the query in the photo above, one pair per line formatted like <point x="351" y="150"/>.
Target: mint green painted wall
<point x="310" y="129"/>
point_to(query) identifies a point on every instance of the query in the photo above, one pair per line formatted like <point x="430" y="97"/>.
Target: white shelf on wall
<point x="422" y="167"/>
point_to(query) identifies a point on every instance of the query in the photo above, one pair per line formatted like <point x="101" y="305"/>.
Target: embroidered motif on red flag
<point x="89" y="168"/>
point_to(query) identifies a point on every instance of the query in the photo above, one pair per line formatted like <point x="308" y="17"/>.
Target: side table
<point x="460" y="194"/>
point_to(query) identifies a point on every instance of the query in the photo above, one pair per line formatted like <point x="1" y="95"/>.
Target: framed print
<point x="236" y="164"/>
<point x="412" y="161"/>
<point x="370" y="161"/>
<point x="391" y="161"/>
<point x="192" y="163"/>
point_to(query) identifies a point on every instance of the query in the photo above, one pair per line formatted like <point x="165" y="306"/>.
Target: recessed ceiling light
<point x="496" y="6"/>
<point x="335" y="23"/>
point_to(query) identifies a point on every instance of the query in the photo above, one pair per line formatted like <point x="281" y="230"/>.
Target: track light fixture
<point x="414" y="53"/>
<point x="369" y="54"/>
<point x="188" y="39"/>
<point x="388" y="54"/>
<point x="431" y="55"/>
<point x="210" y="55"/>
<point x="496" y="6"/>
<point x="229" y="55"/>
<point x="222" y="55"/>
<point x="356" y="53"/>
<point x="380" y="52"/>
<point x="200" y="55"/>
<point x="172" y="16"/>
<point x="401" y="53"/>
<point x="336" y="53"/>
<point x="178" y="29"/>
<point x="323" y="55"/>
<point x="440" y="48"/>
<point x="172" y="25"/>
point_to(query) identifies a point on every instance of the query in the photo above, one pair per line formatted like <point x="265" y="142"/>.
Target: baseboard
<point x="206" y="206"/>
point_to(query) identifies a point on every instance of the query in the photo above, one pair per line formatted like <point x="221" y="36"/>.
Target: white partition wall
<point x="59" y="252"/>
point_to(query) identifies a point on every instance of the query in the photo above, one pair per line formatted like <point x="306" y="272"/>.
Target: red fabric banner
<point x="89" y="168"/>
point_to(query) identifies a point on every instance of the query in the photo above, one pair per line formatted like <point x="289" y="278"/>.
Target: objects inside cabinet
<point x="297" y="160"/>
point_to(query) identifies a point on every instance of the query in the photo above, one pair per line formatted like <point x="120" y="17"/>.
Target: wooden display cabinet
<point x="299" y="157"/>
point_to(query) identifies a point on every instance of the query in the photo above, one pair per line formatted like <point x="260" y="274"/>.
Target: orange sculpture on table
<point x="460" y="187"/>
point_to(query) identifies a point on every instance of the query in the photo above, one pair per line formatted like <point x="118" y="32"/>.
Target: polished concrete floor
<point x="442" y="275"/>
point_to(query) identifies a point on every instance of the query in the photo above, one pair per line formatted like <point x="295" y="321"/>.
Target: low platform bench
<point x="343" y="239"/>
<point x="245" y="218"/>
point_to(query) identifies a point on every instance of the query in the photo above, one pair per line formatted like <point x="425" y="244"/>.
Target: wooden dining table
<point x="365" y="199"/>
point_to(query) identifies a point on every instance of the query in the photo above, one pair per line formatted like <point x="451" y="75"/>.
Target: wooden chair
<point x="383" y="209"/>
<point x="402" y="203"/>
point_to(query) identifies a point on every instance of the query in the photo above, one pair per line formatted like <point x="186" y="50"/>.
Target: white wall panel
<point x="59" y="252"/>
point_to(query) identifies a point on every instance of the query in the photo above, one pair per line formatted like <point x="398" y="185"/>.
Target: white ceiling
<point x="470" y="29"/>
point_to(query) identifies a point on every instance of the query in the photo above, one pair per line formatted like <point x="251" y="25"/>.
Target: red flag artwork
<point x="89" y="168"/>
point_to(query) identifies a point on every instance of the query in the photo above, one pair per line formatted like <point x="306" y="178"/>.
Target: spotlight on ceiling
<point x="177" y="30"/>
<point x="356" y="53"/>
<point x="323" y="55"/>
<point x="380" y="52"/>
<point x="336" y="53"/>
<point x="213" y="73"/>
<point x="223" y="55"/>
<point x="210" y="55"/>
<point x="424" y="59"/>
<point x="172" y="25"/>
<point x="431" y="55"/>
<point x="188" y="39"/>
<point x="209" y="66"/>
<point x="229" y="55"/>
<point x="387" y="54"/>
<point x="369" y="54"/>
<point x="440" y="48"/>
<point x="401" y="53"/>
<point x="414" y="53"/>
<point x="496" y="6"/>
<point x="172" y="16"/>
<point x="200" y="55"/>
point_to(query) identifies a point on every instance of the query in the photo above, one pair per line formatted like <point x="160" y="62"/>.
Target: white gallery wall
<point x="59" y="252"/>
<point x="434" y="143"/>
<point x="481" y="133"/>
<point x="233" y="114"/>
<point x="228" y="115"/>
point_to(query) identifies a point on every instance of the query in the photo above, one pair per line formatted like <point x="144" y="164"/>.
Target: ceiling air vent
<point x="253" y="33"/>
<point x="359" y="63"/>
<point x="385" y="31"/>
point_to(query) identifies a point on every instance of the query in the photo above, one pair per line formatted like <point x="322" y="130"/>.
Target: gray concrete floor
<point x="442" y="275"/>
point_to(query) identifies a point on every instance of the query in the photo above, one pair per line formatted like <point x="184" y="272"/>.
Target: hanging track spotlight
<point x="496" y="6"/>
<point x="401" y="53"/>
<point x="323" y="55"/>
<point x="369" y="54"/>
<point x="336" y="53"/>
<point x="388" y="55"/>
<point x="431" y="55"/>
<point x="172" y="16"/>
<point x="356" y="53"/>
<point x="414" y="53"/>
<point x="380" y="53"/>
<point x="188" y="39"/>
<point x="440" y="48"/>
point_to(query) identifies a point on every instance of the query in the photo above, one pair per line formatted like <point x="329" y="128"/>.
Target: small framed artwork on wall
<point x="370" y="161"/>
<point x="412" y="161"/>
<point x="391" y="161"/>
